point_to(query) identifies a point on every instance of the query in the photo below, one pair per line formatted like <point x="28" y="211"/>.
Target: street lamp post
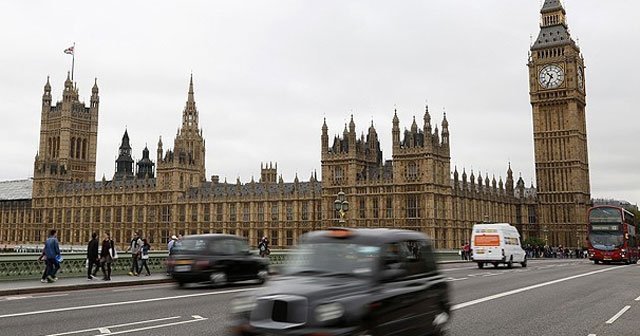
<point x="342" y="206"/>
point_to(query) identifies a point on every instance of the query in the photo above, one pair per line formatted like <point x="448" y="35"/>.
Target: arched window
<point x="50" y="147"/>
<point x="73" y="147"/>
<point x="57" y="146"/>
<point x="84" y="148"/>
<point x="78" y="147"/>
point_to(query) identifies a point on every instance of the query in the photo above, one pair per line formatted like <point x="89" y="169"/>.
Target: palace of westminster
<point x="414" y="190"/>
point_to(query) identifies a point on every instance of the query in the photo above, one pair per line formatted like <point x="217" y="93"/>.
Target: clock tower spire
<point x="558" y="100"/>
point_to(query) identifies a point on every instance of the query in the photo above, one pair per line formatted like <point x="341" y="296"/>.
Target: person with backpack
<point x="144" y="256"/>
<point x="135" y="247"/>
<point x="263" y="246"/>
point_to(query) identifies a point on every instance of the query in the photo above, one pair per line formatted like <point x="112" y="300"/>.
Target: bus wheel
<point x="596" y="262"/>
<point x="480" y="265"/>
<point x="627" y="261"/>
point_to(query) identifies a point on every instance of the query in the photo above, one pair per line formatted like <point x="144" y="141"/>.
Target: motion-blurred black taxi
<point x="351" y="282"/>
<point x="215" y="258"/>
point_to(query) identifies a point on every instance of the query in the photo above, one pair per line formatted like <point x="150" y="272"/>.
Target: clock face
<point x="551" y="76"/>
<point x="580" y="78"/>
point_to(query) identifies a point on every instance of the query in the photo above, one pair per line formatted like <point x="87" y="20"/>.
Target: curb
<point x="62" y="288"/>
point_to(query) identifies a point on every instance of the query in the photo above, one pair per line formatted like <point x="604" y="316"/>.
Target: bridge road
<point x="549" y="297"/>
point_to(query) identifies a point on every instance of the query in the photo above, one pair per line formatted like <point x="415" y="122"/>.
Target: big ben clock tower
<point x="557" y="93"/>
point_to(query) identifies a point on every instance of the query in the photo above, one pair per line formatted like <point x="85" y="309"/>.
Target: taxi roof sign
<point x="338" y="232"/>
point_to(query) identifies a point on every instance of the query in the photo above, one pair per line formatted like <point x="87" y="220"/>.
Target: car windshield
<point x="606" y="240"/>
<point x="333" y="259"/>
<point x="189" y="245"/>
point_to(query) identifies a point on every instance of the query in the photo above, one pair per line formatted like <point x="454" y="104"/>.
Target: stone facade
<point x="416" y="189"/>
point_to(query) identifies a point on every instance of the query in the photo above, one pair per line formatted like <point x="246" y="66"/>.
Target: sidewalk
<point x="20" y="287"/>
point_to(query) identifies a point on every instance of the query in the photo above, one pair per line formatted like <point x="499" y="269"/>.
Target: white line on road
<point x="121" y="303"/>
<point x="11" y="298"/>
<point x="114" y="326"/>
<point x="156" y="326"/>
<point x="104" y="331"/>
<point x="454" y="279"/>
<point x="524" y="289"/>
<point x="591" y="335"/>
<point x="616" y="316"/>
<point x="638" y="298"/>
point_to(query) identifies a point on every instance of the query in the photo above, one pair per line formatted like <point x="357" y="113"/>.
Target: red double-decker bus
<point x="612" y="235"/>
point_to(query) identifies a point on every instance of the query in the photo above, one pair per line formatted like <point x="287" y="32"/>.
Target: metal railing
<point x="16" y="266"/>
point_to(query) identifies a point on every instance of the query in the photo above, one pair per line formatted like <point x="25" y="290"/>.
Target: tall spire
<point x="190" y="114"/>
<point x="427" y="121"/>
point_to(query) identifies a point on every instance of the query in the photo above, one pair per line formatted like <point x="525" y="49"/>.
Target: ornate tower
<point x="124" y="163"/>
<point x="557" y="93"/>
<point x="145" y="165"/>
<point x="68" y="138"/>
<point x="183" y="167"/>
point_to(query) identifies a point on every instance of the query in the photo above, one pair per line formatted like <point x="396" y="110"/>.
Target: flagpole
<point x="73" y="59"/>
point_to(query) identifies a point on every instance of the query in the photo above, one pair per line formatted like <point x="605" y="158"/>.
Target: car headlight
<point x="329" y="311"/>
<point x="243" y="304"/>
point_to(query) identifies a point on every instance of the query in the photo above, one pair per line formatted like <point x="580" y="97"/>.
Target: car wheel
<point x="596" y="262"/>
<point x="510" y="262"/>
<point x="181" y="284"/>
<point x="218" y="278"/>
<point x="440" y="323"/>
<point x="480" y="265"/>
<point x="262" y="276"/>
<point x="524" y="262"/>
<point x="495" y="265"/>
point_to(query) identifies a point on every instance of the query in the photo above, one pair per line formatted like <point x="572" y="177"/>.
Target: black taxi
<point x="345" y="281"/>
<point x="215" y="258"/>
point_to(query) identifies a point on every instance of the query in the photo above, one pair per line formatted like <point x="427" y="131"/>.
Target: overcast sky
<point x="266" y="73"/>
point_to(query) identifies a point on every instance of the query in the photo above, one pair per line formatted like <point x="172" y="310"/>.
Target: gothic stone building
<point x="416" y="189"/>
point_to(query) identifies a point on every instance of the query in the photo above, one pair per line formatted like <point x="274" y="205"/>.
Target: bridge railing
<point x="15" y="266"/>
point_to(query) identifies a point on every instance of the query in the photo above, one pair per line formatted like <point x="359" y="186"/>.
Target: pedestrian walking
<point x="52" y="253"/>
<point x="466" y="251"/>
<point x="45" y="272"/>
<point x="106" y="256"/>
<point x="172" y="243"/>
<point x="263" y="246"/>
<point x="93" y="258"/>
<point x="144" y="256"/>
<point x="134" y="248"/>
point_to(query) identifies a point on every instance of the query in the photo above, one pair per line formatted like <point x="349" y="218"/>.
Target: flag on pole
<point x="69" y="50"/>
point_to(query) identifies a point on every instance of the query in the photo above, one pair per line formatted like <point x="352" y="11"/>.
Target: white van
<point x="496" y="244"/>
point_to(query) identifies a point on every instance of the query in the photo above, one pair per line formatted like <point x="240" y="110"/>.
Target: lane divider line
<point x="155" y="326"/>
<point x="528" y="288"/>
<point x="100" y="329"/>
<point x="638" y="298"/>
<point x="121" y="303"/>
<point x="616" y="316"/>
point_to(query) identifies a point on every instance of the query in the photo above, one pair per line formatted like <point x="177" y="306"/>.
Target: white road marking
<point x="104" y="331"/>
<point x="638" y="298"/>
<point x="23" y="297"/>
<point x="114" y="326"/>
<point x="454" y="279"/>
<point x="591" y="335"/>
<point x="524" y="289"/>
<point x="121" y="303"/>
<point x="155" y="326"/>
<point x="616" y="316"/>
<point x="139" y="288"/>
